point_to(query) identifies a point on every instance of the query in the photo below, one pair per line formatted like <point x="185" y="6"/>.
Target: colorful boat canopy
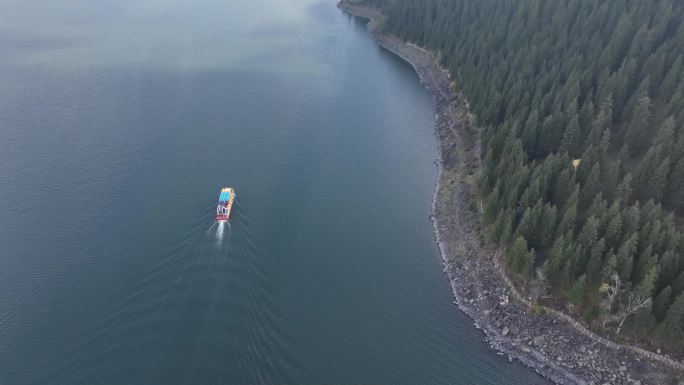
<point x="225" y="196"/>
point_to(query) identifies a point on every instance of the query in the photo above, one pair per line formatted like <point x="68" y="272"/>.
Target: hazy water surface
<point x="120" y="121"/>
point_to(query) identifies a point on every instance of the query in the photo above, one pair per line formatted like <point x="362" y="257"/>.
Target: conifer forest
<point x="581" y="105"/>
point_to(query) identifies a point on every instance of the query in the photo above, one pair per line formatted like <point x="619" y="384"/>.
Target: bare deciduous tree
<point x="635" y="302"/>
<point x="610" y="291"/>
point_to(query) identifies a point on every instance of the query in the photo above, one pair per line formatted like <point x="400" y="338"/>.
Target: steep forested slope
<point x="582" y="102"/>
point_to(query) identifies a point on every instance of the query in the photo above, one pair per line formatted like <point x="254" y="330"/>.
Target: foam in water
<point x="219" y="231"/>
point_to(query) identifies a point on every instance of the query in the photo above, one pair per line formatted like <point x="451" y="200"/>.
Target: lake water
<point x="119" y="123"/>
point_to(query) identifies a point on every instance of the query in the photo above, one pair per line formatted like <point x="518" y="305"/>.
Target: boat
<point x="225" y="204"/>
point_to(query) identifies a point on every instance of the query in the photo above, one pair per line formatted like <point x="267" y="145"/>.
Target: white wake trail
<point x="219" y="231"/>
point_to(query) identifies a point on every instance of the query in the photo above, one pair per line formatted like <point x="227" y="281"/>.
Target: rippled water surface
<point x="119" y="123"/>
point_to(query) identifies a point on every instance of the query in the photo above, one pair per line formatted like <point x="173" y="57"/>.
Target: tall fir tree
<point x="520" y="259"/>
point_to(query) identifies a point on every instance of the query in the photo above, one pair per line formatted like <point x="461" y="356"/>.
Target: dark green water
<point x="120" y="121"/>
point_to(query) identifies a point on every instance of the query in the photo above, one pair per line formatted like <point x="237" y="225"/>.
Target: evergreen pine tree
<point x="645" y="173"/>
<point x="659" y="181"/>
<point x="577" y="291"/>
<point x="609" y="266"/>
<point x="593" y="270"/>
<point x="665" y="136"/>
<point x="637" y="132"/>
<point x="678" y="284"/>
<point x="625" y="258"/>
<point x="553" y="268"/>
<point x="520" y="259"/>
<point x="624" y="190"/>
<point x="675" y="186"/>
<point x="568" y="220"/>
<point x="671" y="330"/>
<point x="662" y="303"/>
<point x="613" y="232"/>
<point x="672" y="78"/>
<point x="531" y="134"/>
<point x="591" y="187"/>
<point x="547" y="225"/>
<point x="602" y="121"/>
<point x="571" y="138"/>
<point x="563" y="187"/>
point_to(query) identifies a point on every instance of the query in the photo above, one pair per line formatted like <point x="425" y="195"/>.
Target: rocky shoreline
<point x="550" y="342"/>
